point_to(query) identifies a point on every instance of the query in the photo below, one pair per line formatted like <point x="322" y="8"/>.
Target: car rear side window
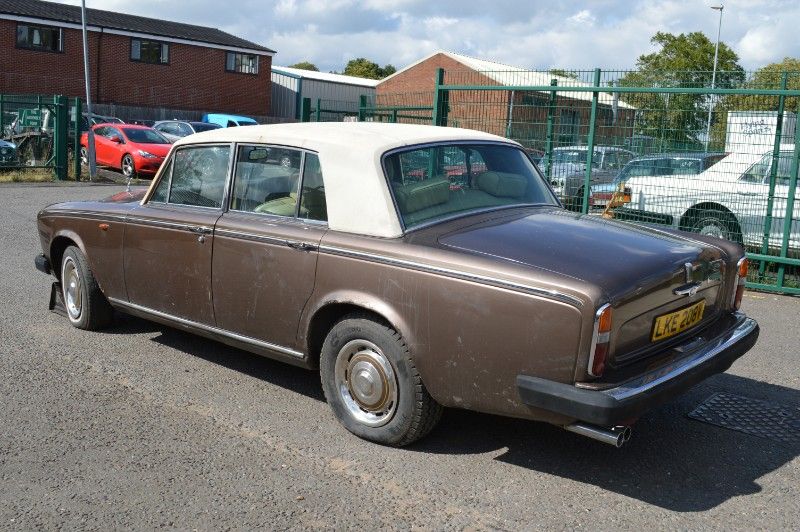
<point x="199" y="175"/>
<point x="267" y="180"/>
<point x="313" y="205"/>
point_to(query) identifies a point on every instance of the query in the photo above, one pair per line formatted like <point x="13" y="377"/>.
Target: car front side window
<point x="199" y="175"/>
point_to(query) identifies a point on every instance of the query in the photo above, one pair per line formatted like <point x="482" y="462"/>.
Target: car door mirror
<point x="115" y="140"/>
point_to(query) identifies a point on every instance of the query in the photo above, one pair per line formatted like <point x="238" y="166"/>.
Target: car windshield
<point x="436" y="182"/>
<point x="144" y="136"/>
<point x="202" y="126"/>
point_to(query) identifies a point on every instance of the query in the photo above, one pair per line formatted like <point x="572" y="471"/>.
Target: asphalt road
<point x="143" y="426"/>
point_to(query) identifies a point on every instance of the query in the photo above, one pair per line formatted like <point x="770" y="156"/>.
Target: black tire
<point x="128" y="166"/>
<point x="92" y="312"/>
<point x="715" y="223"/>
<point x="411" y="416"/>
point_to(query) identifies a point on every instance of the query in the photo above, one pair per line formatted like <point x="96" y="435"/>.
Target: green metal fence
<point x="40" y="132"/>
<point x="663" y="148"/>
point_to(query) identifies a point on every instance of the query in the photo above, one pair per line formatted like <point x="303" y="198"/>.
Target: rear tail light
<point x="600" y="341"/>
<point x="741" y="278"/>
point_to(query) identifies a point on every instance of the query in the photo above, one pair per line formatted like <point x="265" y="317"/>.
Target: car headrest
<point x="417" y="196"/>
<point x="502" y="184"/>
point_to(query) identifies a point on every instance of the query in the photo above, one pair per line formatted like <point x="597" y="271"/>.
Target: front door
<point x="265" y="245"/>
<point x="169" y="239"/>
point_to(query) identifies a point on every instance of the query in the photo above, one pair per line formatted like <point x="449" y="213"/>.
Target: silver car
<point x="177" y="129"/>
<point x="568" y="168"/>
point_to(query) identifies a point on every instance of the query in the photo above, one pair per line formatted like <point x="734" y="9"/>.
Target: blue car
<point x="228" y="120"/>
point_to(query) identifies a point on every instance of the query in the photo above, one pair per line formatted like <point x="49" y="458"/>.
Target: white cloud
<point x="566" y="34"/>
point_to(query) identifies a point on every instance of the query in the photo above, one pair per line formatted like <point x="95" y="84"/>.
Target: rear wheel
<point x="86" y="306"/>
<point x="716" y="223"/>
<point x="372" y="385"/>
<point x="128" y="166"/>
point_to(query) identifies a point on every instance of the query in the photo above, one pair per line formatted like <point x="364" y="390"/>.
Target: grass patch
<point x="34" y="175"/>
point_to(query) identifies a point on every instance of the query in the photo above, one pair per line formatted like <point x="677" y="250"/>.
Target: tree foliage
<point x="364" y="68"/>
<point x="305" y="65"/>
<point x="685" y="60"/>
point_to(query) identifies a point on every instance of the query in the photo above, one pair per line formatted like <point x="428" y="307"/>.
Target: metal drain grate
<point x="773" y="421"/>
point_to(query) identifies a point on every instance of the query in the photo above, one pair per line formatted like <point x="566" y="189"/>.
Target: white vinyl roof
<point x="356" y="191"/>
<point x="325" y="76"/>
<point x="514" y="76"/>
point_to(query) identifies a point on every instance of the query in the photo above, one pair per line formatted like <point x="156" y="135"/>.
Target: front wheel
<point x="84" y="156"/>
<point x="372" y="385"/>
<point x="86" y="306"/>
<point x="128" y="166"/>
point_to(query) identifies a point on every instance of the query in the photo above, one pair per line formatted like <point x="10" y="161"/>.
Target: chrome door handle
<point x="200" y="229"/>
<point x="301" y="246"/>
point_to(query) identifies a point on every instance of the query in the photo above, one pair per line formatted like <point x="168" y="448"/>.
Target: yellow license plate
<point x="678" y="321"/>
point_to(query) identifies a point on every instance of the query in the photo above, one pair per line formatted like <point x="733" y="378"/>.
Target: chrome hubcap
<point x="366" y="383"/>
<point x="127" y="166"/>
<point x="712" y="229"/>
<point x="72" y="289"/>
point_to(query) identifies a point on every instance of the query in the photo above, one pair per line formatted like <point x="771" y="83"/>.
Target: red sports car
<point x="136" y="150"/>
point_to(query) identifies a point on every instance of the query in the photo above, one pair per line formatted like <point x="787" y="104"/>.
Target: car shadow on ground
<point x="672" y="461"/>
<point x="286" y="376"/>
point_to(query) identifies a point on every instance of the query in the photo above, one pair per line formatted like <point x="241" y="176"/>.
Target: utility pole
<point x="714" y="73"/>
<point x="90" y="155"/>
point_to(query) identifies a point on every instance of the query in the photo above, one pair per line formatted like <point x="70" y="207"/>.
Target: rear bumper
<point x="632" y="398"/>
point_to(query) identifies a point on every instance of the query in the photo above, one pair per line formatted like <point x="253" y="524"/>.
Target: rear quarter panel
<point x="468" y="340"/>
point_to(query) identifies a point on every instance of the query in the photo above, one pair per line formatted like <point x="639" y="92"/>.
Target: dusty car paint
<point x="479" y="299"/>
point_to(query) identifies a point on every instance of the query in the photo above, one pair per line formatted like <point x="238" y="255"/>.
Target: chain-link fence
<point x="668" y="148"/>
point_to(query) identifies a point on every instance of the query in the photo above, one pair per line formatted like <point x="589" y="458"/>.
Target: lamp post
<point x="719" y="8"/>
<point x="90" y="155"/>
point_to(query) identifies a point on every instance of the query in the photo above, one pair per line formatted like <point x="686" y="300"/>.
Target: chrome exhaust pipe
<point x="616" y="436"/>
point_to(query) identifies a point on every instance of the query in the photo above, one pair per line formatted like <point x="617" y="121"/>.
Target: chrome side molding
<point x="207" y="328"/>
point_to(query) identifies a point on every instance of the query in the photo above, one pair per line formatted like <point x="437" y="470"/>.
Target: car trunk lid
<point x="643" y="272"/>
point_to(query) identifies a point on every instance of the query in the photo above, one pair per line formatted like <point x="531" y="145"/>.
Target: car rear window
<point x="436" y="182"/>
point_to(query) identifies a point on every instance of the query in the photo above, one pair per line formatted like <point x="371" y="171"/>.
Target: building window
<point x="44" y="38"/>
<point x="149" y="51"/>
<point x="243" y="63"/>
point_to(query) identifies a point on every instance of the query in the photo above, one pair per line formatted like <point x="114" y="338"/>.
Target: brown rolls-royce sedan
<point x="416" y="267"/>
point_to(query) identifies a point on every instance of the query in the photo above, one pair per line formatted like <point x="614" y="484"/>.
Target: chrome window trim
<point x="208" y="328"/>
<point x="413" y="147"/>
<point x="455" y="274"/>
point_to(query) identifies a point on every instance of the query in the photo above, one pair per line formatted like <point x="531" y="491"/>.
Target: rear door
<point x="169" y="239"/>
<point x="266" y="244"/>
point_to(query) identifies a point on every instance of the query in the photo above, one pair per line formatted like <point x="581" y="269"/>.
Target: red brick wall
<point x="195" y="78"/>
<point x="481" y="110"/>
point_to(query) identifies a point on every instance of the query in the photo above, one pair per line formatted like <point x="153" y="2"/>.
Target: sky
<point x="532" y="34"/>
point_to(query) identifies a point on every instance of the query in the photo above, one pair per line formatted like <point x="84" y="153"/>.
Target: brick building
<point x="521" y="115"/>
<point x="134" y="61"/>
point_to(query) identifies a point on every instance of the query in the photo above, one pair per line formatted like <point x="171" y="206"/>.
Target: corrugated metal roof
<point x="121" y="21"/>
<point x="325" y="76"/>
<point x="510" y="75"/>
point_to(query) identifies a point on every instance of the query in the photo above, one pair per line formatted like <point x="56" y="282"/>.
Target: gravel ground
<point x="143" y="426"/>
